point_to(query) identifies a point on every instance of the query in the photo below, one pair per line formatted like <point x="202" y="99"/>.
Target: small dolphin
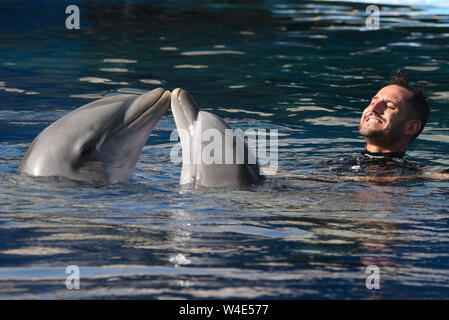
<point x="99" y="142"/>
<point x="194" y="123"/>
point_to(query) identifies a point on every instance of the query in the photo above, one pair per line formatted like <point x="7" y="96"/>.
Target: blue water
<point x="307" y="69"/>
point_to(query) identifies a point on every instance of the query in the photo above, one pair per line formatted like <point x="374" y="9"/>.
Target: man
<point x="394" y="118"/>
<point x="396" y="115"/>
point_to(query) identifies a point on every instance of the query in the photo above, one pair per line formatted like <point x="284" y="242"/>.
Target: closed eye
<point x="392" y="105"/>
<point x="389" y="103"/>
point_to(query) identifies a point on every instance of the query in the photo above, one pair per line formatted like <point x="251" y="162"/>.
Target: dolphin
<point x="99" y="142"/>
<point x="193" y="125"/>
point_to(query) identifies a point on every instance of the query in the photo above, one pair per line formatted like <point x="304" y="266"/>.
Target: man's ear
<point x="412" y="126"/>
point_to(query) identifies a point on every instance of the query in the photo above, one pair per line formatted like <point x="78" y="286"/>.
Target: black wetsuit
<point x="379" y="163"/>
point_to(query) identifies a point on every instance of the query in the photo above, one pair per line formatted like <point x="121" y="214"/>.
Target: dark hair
<point x="420" y="109"/>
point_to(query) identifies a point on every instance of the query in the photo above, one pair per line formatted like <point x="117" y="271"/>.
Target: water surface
<point x="307" y="69"/>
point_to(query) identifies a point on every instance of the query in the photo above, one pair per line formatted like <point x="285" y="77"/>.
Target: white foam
<point x="247" y="33"/>
<point x="13" y="90"/>
<point x="100" y="80"/>
<point x="422" y="68"/>
<point x="210" y="52"/>
<point x="309" y="108"/>
<point x="168" y="48"/>
<point x="444" y="95"/>
<point x="190" y="66"/>
<point x="119" y="61"/>
<point x="36" y="251"/>
<point x="151" y="81"/>
<point x="94" y="80"/>
<point x="87" y="96"/>
<point x="114" y="69"/>
<point x="263" y="114"/>
<point x="334" y="121"/>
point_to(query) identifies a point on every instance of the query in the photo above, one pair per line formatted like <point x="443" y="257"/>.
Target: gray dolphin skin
<point x="194" y="123"/>
<point x="99" y="142"/>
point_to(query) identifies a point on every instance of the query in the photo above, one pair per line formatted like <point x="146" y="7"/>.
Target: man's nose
<point x="378" y="106"/>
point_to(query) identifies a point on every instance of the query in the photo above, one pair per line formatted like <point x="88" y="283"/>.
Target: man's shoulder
<point x="375" y="163"/>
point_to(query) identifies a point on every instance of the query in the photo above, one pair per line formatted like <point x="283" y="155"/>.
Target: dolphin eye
<point x="87" y="149"/>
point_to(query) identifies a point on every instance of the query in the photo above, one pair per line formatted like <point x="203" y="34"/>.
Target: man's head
<point x="396" y="115"/>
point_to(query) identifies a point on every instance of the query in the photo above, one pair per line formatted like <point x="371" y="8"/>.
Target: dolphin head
<point x="184" y="109"/>
<point x="224" y="170"/>
<point x="99" y="142"/>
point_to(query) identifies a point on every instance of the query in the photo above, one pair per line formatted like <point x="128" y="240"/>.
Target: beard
<point x="382" y="137"/>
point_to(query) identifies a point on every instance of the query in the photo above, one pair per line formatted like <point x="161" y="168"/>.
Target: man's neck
<point x="383" y="155"/>
<point x="381" y="149"/>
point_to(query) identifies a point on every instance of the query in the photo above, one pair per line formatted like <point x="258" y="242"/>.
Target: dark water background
<point x="305" y="68"/>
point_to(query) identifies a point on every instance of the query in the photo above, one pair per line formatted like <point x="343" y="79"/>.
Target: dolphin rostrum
<point x="231" y="163"/>
<point x="99" y="142"/>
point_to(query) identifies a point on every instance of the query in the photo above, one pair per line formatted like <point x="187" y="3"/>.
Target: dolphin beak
<point x="150" y="102"/>
<point x="184" y="108"/>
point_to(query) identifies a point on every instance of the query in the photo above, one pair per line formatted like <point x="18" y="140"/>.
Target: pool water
<point x="306" y="69"/>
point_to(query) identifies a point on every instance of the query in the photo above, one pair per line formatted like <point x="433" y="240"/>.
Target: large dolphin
<point x="99" y="142"/>
<point x="194" y="127"/>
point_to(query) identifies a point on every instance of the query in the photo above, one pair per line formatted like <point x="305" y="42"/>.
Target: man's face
<point x="383" y="121"/>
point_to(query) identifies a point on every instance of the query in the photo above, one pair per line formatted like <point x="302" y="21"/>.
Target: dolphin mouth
<point x="184" y="108"/>
<point x="150" y="102"/>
